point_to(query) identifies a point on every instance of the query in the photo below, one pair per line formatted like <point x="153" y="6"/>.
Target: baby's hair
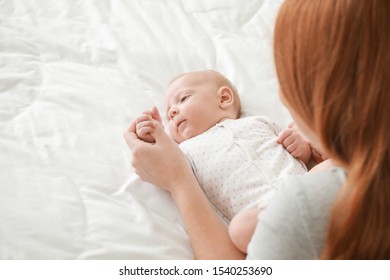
<point x="223" y="82"/>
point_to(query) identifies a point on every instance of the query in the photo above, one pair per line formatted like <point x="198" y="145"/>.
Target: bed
<point x="73" y="76"/>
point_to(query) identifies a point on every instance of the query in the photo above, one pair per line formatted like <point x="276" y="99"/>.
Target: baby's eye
<point x="184" y="98"/>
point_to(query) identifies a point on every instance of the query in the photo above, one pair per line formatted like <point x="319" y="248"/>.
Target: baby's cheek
<point x="170" y="129"/>
<point x="172" y="132"/>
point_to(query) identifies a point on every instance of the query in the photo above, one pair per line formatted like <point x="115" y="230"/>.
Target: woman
<point x="332" y="59"/>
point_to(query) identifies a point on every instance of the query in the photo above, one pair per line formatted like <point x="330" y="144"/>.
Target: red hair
<point x="333" y="62"/>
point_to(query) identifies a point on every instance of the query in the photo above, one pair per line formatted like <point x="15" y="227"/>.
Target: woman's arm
<point x="209" y="236"/>
<point x="163" y="164"/>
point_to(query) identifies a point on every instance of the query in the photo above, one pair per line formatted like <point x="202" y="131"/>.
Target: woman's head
<point x="333" y="63"/>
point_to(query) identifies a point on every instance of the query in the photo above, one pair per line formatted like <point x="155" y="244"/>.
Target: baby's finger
<point x="286" y="142"/>
<point x="148" y="112"/>
<point x="144" y="124"/>
<point x="146" y="130"/>
<point x="292" y="124"/>
<point x="292" y="148"/>
<point x="283" y="135"/>
<point x="145" y="133"/>
<point x="144" y="117"/>
<point x="156" y="114"/>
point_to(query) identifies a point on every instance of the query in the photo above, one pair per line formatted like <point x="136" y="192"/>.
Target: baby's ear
<point x="225" y="96"/>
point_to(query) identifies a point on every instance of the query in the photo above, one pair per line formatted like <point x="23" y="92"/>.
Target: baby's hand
<point x="146" y="125"/>
<point x="295" y="143"/>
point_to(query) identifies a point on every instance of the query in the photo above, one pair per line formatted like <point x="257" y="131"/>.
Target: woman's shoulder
<point x="315" y="185"/>
<point x="314" y="193"/>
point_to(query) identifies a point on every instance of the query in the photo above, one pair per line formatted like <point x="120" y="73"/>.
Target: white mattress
<point x="73" y="74"/>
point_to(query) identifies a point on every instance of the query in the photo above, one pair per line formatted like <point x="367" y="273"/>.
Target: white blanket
<point x="73" y="74"/>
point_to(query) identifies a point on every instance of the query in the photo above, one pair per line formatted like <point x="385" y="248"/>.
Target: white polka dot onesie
<point x="238" y="163"/>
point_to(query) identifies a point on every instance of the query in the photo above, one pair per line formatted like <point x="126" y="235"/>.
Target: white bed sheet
<point x="73" y="74"/>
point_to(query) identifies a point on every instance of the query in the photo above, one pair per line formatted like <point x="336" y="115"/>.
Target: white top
<point x="238" y="163"/>
<point x="294" y="225"/>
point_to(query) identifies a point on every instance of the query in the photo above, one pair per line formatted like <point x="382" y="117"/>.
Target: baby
<point x="237" y="161"/>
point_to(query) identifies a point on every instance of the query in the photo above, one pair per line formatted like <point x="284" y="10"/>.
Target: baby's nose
<point x="173" y="112"/>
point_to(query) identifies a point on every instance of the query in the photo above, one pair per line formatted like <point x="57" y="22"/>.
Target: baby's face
<point x="192" y="105"/>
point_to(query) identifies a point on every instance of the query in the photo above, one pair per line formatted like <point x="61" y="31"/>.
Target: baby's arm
<point x="294" y="143"/>
<point x="146" y="125"/>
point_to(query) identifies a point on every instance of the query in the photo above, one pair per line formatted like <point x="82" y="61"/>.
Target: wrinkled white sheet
<point x="73" y="74"/>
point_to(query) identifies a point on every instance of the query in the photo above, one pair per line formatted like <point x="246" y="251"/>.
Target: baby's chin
<point x="177" y="138"/>
<point x="181" y="138"/>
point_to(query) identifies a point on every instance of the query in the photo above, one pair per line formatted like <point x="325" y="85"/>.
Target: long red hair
<point x="333" y="63"/>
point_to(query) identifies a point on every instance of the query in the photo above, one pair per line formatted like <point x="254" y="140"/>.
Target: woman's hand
<point x="161" y="163"/>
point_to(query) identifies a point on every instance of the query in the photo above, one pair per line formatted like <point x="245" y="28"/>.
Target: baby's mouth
<point x="178" y="125"/>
